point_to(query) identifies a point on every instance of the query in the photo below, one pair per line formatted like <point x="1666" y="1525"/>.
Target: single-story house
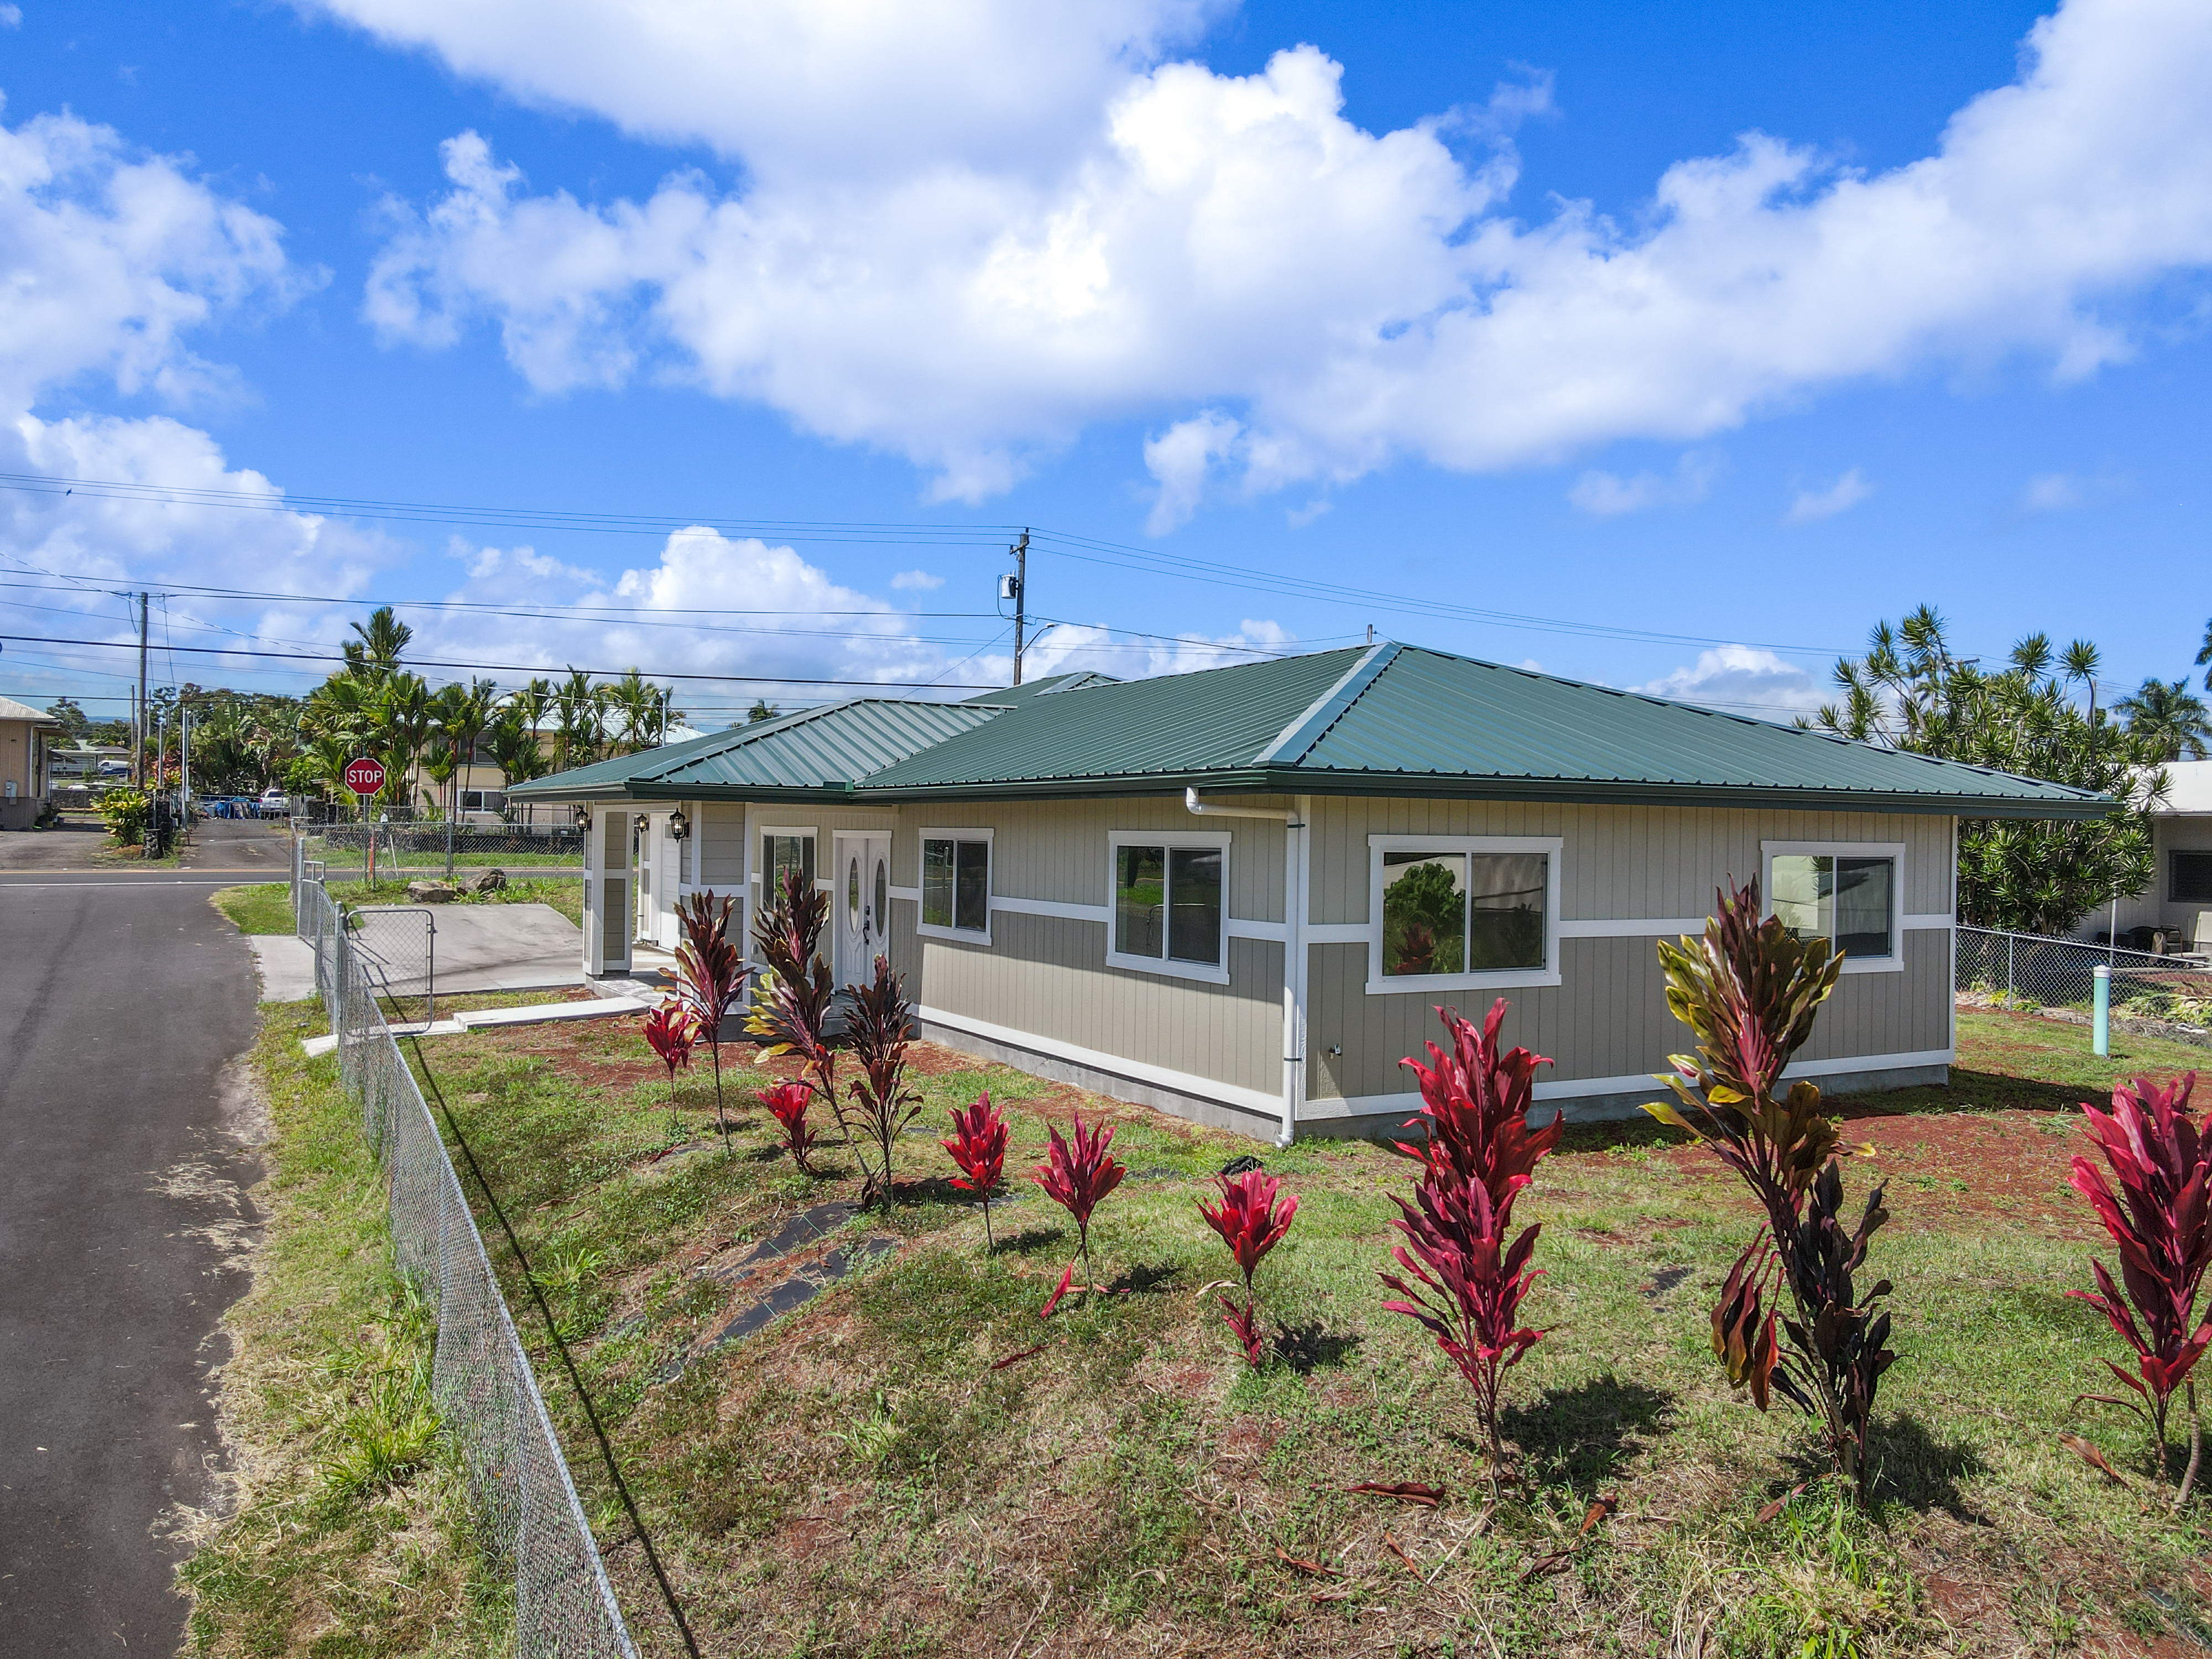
<point x="2174" y="911"/>
<point x="1239" y="895"/>
<point x="24" y="732"/>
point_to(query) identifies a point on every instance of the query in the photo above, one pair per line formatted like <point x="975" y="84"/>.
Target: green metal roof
<point x="1397" y="720"/>
<point x="816" y="751"/>
<point x="1014" y="696"/>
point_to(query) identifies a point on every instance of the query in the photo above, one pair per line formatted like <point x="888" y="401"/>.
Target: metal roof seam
<point x="1297" y="739"/>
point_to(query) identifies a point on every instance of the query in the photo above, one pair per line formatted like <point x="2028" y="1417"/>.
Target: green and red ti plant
<point x="1077" y="1174"/>
<point x="979" y="1147"/>
<point x="710" y="974"/>
<point x="879" y="1027"/>
<point x="1467" y="1284"/>
<point x="793" y="1000"/>
<point x="2161" y="1160"/>
<point x="787" y="1103"/>
<point x="1251" y="1223"/>
<point x="670" y="1032"/>
<point x="1750" y="991"/>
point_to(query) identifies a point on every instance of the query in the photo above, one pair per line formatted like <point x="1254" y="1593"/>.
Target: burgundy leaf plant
<point x="1077" y="1175"/>
<point x="787" y="1103"/>
<point x="710" y="973"/>
<point x="880" y="1028"/>
<point x="670" y="1032"/>
<point x="1460" y="1280"/>
<point x="2161" y="1223"/>
<point x="979" y="1147"/>
<point x="1251" y="1223"/>
<point x="791" y="1001"/>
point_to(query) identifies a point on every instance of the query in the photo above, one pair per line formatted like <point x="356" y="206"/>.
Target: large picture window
<point x="1850" y="893"/>
<point x="1170" y="904"/>
<point x="2191" y="878"/>
<point x="955" y="883"/>
<point x="1456" y="912"/>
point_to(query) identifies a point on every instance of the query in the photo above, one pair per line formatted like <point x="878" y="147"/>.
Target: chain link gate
<point x="481" y="1379"/>
<point x="399" y="948"/>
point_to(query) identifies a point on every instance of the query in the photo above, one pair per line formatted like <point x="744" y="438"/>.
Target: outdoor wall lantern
<point x="678" y="825"/>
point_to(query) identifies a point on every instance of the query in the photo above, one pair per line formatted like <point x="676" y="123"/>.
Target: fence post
<point x="2102" y="1031"/>
<point x="2008" y="945"/>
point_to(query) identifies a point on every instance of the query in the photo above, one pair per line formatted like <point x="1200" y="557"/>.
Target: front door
<point x="858" y="904"/>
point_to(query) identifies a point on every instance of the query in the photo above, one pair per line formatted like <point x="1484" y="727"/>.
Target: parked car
<point x="114" y="769"/>
<point x="274" y="804"/>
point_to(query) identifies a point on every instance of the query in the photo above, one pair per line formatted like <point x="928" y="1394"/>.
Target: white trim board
<point x="1137" y="1070"/>
<point x="1578" y="1088"/>
<point x="1355" y="933"/>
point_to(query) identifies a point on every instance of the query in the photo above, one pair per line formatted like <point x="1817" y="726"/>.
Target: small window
<point x="2192" y="874"/>
<point x="955" y="883"/>
<point x="1463" y="912"/>
<point x="1848" y="894"/>
<point x="782" y="853"/>
<point x="1170" y="911"/>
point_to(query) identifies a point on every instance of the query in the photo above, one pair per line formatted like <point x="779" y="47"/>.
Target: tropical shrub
<point x="1467" y="1284"/>
<point x="2161" y="1223"/>
<point x="790" y="1011"/>
<point x="710" y="977"/>
<point x="1251" y="1223"/>
<point x="788" y="1103"/>
<point x="1077" y="1175"/>
<point x="670" y="1031"/>
<point x="979" y="1147"/>
<point x="878" y="1029"/>
<point x="1751" y="992"/>
<point x="125" y="812"/>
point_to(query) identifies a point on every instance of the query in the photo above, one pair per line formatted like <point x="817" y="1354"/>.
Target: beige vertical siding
<point x="719" y="828"/>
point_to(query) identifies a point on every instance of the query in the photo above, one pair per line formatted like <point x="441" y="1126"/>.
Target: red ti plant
<point x="1750" y="991"/>
<point x="710" y="977"/>
<point x="790" y="1005"/>
<point x="1467" y="1284"/>
<point x="2160" y="1221"/>
<point x="979" y="1147"/>
<point x="670" y="1031"/>
<point x="788" y="1101"/>
<point x="879" y="1027"/>
<point x="1077" y="1175"/>
<point x="1251" y="1223"/>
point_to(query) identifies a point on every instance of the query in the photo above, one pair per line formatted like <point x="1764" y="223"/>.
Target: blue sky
<point x="1524" y="326"/>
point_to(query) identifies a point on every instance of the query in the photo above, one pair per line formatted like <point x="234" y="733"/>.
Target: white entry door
<point x="859" y="905"/>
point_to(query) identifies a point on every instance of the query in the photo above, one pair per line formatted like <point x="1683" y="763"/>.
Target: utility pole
<point x="138" y="732"/>
<point x="1019" y="583"/>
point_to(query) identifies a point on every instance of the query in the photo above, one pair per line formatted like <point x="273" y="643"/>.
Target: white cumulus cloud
<point x="1069" y="648"/>
<point x="1608" y="494"/>
<point x="1288" y="297"/>
<point x="1810" y="506"/>
<point x="1741" y="679"/>
<point x="917" y="580"/>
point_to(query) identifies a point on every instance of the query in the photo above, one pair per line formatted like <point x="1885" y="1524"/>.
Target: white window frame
<point x="1163" y="964"/>
<point x="956" y="935"/>
<point x="1893" y="850"/>
<point x="762" y="832"/>
<point x="1380" y="984"/>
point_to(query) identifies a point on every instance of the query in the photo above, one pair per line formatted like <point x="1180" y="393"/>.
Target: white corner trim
<point x="1575" y="1088"/>
<point x="1239" y="929"/>
<point x="1137" y="1071"/>
<point x="1030" y="906"/>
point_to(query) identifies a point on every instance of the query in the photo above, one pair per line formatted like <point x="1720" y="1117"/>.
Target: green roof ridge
<point x="1292" y="742"/>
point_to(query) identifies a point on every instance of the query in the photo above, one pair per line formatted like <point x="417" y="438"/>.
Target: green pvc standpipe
<point x="2102" y="1043"/>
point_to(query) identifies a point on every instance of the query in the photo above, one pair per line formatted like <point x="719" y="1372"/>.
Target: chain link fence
<point x="399" y="948"/>
<point x="2029" y="970"/>
<point x="481" y="1379"/>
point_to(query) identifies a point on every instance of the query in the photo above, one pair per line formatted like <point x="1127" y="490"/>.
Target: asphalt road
<point x="126" y="1141"/>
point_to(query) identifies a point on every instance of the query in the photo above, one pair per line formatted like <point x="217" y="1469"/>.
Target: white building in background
<point x="2174" y="910"/>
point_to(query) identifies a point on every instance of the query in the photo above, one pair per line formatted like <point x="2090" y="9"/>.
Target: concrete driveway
<point x="127" y="1132"/>
<point x="476" y="947"/>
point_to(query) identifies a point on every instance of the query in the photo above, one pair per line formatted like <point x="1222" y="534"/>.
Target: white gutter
<point x="1297" y="860"/>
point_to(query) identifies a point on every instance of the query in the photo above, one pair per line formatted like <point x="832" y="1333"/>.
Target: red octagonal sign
<point x="364" y="776"/>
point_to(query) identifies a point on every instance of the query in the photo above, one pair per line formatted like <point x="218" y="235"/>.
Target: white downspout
<point x="1296" y="859"/>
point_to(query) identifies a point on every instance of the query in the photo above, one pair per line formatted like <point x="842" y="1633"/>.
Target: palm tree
<point x="2080" y="663"/>
<point x="579" y="709"/>
<point x="2204" y="655"/>
<point x="2166" y="721"/>
<point x="643" y="709"/>
<point x="373" y="651"/>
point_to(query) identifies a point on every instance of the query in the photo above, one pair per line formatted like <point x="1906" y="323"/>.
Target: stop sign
<point x="364" y="776"/>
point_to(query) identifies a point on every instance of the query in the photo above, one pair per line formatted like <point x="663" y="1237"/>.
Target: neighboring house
<point x="83" y="761"/>
<point x="2174" y="910"/>
<point x="25" y="733"/>
<point x="1240" y="895"/>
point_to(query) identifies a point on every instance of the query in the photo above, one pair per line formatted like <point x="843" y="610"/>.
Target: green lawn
<point x="864" y="1477"/>
<point x="263" y="909"/>
<point x="266" y="907"/>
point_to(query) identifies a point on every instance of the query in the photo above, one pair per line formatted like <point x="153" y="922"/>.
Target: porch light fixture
<point x="678" y="825"/>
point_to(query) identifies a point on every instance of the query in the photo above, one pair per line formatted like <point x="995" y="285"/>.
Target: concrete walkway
<point x="480" y="947"/>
